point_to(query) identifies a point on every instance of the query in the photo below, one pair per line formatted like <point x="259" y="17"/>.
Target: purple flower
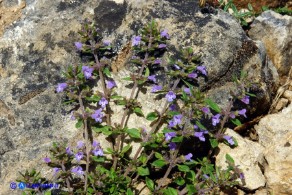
<point x="216" y="119"/>
<point x="169" y="135"/>
<point x="202" y="69"/>
<point x="95" y="144"/>
<point x="200" y="135"/>
<point x="87" y="71"/>
<point x="241" y="176"/>
<point x="157" y="61"/>
<point x="164" y="34"/>
<point x="242" y="112"/>
<point x="106" y="43"/>
<point x="136" y="41"/>
<point x="56" y="169"/>
<point x="170" y="96"/>
<point x="97" y="115"/>
<point x="193" y="75"/>
<point x="229" y="139"/>
<point x="103" y="102"/>
<point x="172" y="107"/>
<point x="78" y="46"/>
<point x="72" y="117"/>
<point x="232" y="115"/>
<point x="162" y="46"/>
<point x="196" y="127"/>
<point x="156" y="88"/>
<point x="110" y="84"/>
<point x="97" y="152"/>
<point x="206" y="110"/>
<point x="206" y="176"/>
<point x="187" y="91"/>
<point x="47" y="159"/>
<point x="152" y="78"/>
<point x="77" y="170"/>
<point x="79" y="156"/>
<point x="80" y="144"/>
<point x="61" y="87"/>
<point x="176" y="67"/>
<point x="177" y="119"/>
<point x="189" y="156"/>
<point x="172" y="146"/>
<point x="245" y="99"/>
<point x="68" y="151"/>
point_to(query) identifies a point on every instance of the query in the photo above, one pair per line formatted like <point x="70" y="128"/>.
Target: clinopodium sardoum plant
<point x="162" y="162"/>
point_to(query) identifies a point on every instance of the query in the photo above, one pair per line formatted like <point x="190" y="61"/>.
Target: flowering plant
<point x="162" y="161"/>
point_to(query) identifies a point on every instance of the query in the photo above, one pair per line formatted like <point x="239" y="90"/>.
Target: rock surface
<point x="248" y="155"/>
<point x="35" y="49"/>
<point x="275" y="31"/>
<point x="275" y="135"/>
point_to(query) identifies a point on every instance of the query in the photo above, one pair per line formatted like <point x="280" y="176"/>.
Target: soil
<point x="9" y="14"/>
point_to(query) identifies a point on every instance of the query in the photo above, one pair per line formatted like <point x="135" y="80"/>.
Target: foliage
<point x="160" y="162"/>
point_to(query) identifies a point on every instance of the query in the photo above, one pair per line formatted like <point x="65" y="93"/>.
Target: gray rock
<point x="35" y="49"/>
<point x="275" y="135"/>
<point x="275" y="31"/>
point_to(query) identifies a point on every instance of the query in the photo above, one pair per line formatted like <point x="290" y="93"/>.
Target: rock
<point x="274" y="30"/>
<point x="275" y="135"/>
<point x="36" y="48"/>
<point x="248" y="156"/>
<point x="288" y="94"/>
<point x="281" y="104"/>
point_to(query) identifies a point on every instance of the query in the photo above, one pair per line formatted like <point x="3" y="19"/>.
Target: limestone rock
<point x="248" y="156"/>
<point x="275" y="31"/>
<point x="275" y="135"/>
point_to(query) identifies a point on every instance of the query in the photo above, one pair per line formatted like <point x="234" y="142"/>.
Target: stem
<point x="86" y="139"/>
<point x="67" y="180"/>
<point x="153" y="129"/>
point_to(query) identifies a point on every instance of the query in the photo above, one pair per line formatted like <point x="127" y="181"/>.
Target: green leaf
<point x="236" y="122"/>
<point x="250" y="94"/>
<point x="179" y="181"/>
<point x="229" y="158"/>
<point x="79" y="123"/>
<point x="143" y="171"/>
<point x="147" y="72"/>
<point x="158" y="155"/>
<point x="126" y="149"/>
<point x="191" y="176"/>
<point x="177" y="139"/>
<point x="170" y="191"/>
<point x="47" y="193"/>
<point x="127" y="79"/>
<point x="129" y="192"/>
<point x="100" y="159"/>
<point x="107" y="72"/>
<point x="150" y="184"/>
<point x="191" y="189"/>
<point x="90" y="190"/>
<point x="159" y="163"/>
<point x="109" y="151"/>
<point x="250" y="7"/>
<point x="214" y="143"/>
<point x="102" y="129"/>
<point x="151" y="116"/>
<point x="183" y="168"/>
<point x="200" y="125"/>
<point x="213" y="105"/>
<point x="93" y="98"/>
<point x="134" y="133"/>
<point x="138" y="111"/>
<point x="143" y="159"/>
